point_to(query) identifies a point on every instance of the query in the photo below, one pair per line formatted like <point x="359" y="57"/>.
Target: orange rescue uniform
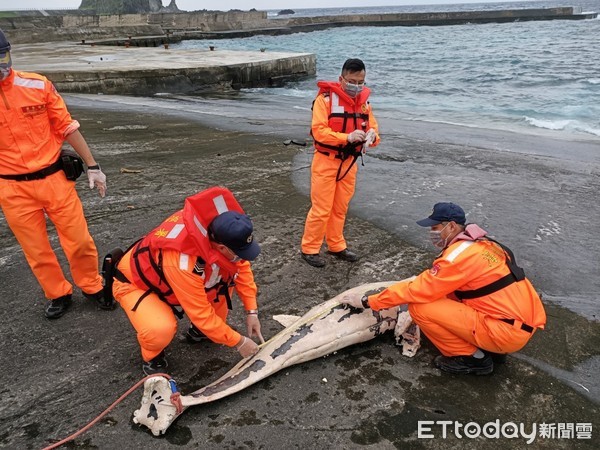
<point x="154" y="320"/>
<point x="182" y="270"/>
<point x="35" y="122"/>
<point x="459" y="328"/>
<point x="335" y="115"/>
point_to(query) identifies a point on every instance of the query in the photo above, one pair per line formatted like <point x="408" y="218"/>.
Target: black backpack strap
<point x="488" y="289"/>
<point x="222" y="288"/>
<point x="516" y="274"/>
<point x="158" y="268"/>
<point x="109" y="271"/>
<point x="511" y="261"/>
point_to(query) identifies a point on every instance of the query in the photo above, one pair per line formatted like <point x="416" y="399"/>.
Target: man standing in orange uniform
<point x="35" y="122"/>
<point x="343" y="127"/>
<point x="474" y="304"/>
<point x="191" y="262"/>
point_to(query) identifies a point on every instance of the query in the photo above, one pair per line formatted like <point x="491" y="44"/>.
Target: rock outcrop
<point x="171" y="8"/>
<point x="126" y="6"/>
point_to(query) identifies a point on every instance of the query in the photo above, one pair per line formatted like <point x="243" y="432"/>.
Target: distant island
<point x="285" y="12"/>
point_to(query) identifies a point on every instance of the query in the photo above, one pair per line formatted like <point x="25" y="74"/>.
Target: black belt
<point x="328" y="154"/>
<point x="39" y="175"/>
<point x="524" y="326"/>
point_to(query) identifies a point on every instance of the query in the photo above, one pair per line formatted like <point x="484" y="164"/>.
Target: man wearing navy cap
<point x="474" y="304"/>
<point x="191" y="263"/>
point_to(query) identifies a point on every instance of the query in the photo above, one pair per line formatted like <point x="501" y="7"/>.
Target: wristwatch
<point x="251" y="311"/>
<point x="365" y="301"/>
<point x="96" y="167"/>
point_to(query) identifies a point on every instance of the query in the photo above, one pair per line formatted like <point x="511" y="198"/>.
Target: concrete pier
<point x="148" y="71"/>
<point x="435" y="19"/>
<point x="281" y="26"/>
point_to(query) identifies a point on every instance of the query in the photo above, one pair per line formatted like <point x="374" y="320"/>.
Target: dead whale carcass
<point x="322" y="330"/>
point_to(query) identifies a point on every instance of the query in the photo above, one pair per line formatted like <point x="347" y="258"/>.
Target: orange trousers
<point x="457" y="329"/>
<point x="153" y="320"/>
<point x="330" y="200"/>
<point x="25" y="205"/>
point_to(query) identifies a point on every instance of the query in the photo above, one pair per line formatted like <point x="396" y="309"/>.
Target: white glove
<point x="246" y="347"/>
<point x="370" y="137"/>
<point x="357" y="136"/>
<point x="253" y="325"/>
<point x="353" y="300"/>
<point x="97" y="178"/>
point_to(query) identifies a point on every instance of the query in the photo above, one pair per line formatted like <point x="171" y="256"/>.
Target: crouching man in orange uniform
<point x="474" y="304"/>
<point x="34" y="123"/>
<point x="192" y="262"/>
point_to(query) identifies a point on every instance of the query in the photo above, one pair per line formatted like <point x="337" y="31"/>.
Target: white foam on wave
<point x="289" y="92"/>
<point x="593" y="80"/>
<point x="548" y="124"/>
<point x="562" y="125"/>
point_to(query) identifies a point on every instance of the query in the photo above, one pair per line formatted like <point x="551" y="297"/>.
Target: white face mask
<point x="353" y="89"/>
<point x="436" y="237"/>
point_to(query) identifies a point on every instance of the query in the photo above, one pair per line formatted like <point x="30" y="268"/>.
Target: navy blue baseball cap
<point x="4" y="44"/>
<point x="234" y="230"/>
<point x="444" y="212"/>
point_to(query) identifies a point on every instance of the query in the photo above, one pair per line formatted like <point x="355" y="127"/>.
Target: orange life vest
<point x="187" y="232"/>
<point x="346" y="114"/>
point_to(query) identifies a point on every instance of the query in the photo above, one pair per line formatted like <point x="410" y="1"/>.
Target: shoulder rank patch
<point x="33" y="110"/>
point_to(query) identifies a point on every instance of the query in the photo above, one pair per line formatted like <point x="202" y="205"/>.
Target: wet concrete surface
<point x="59" y="375"/>
<point x="146" y="71"/>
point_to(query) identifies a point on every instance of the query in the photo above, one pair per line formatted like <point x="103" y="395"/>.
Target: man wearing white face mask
<point x="474" y="304"/>
<point x="343" y="127"/>
<point x="191" y="263"/>
<point x="33" y="185"/>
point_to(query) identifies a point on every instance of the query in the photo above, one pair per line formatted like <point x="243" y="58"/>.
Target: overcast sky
<point x="224" y="5"/>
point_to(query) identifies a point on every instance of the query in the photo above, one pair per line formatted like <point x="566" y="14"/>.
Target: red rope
<point x="176" y="401"/>
<point x="107" y="410"/>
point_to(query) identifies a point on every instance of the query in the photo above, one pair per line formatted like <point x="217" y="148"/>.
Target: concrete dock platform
<point x="148" y="71"/>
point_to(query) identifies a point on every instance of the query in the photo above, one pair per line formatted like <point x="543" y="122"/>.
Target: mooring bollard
<point x="211" y="47"/>
<point x="166" y="46"/>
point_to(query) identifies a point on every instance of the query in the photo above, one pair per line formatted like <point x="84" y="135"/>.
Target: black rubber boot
<point x="465" y="364"/>
<point x="345" y="255"/>
<point x="101" y="301"/>
<point x="195" y="336"/>
<point x="57" y="307"/>
<point x="498" y="358"/>
<point x="156" y="365"/>
<point x="314" y="260"/>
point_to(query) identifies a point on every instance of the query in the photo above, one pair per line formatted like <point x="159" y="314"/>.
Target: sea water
<point x="528" y="77"/>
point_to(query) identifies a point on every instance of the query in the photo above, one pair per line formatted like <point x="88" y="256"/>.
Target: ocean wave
<point x="562" y="125"/>
<point x="592" y="81"/>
